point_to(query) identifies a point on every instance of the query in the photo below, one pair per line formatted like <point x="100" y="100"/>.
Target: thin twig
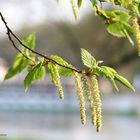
<point x="9" y="31"/>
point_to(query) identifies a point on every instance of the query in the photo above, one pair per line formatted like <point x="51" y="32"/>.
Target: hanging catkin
<point x="135" y="26"/>
<point x="136" y="29"/>
<point x="87" y="90"/>
<point x="74" y="9"/>
<point x="97" y="102"/>
<point x="57" y="81"/>
<point x="80" y="96"/>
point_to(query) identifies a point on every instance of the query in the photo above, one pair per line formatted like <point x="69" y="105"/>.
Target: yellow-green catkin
<point x="74" y="9"/>
<point x="58" y="82"/>
<point x="87" y="91"/>
<point x="136" y="29"/>
<point x="80" y="96"/>
<point x="97" y="102"/>
<point x="135" y="26"/>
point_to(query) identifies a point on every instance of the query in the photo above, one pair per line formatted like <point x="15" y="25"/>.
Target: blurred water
<point x="40" y="115"/>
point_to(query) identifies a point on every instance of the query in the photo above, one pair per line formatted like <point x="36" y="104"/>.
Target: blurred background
<point x="39" y="114"/>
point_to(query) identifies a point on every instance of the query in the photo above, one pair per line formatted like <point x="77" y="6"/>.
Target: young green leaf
<point x="109" y="73"/>
<point x="19" y="65"/>
<point x="109" y="70"/>
<point x="106" y="72"/>
<point x="79" y="3"/>
<point x="62" y="70"/>
<point x="120" y="15"/>
<point x="112" y="75"/>
<point x="117" y="22"/>
<point x="30" y="42"/>
<point x="114" y="84"/>
<point x="115" y="29"/>
<point x="37" y="73"/>
<point x="20" y="61"/>
<point x="121" y="29"/>
<point x="88" y="59"/>
<point x="124" y="81"/>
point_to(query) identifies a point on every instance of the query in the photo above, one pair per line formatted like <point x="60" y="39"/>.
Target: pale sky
<point x="20" y="13"/>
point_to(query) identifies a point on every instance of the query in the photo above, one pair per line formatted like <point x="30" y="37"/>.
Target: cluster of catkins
<point x="84" y="89"/>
